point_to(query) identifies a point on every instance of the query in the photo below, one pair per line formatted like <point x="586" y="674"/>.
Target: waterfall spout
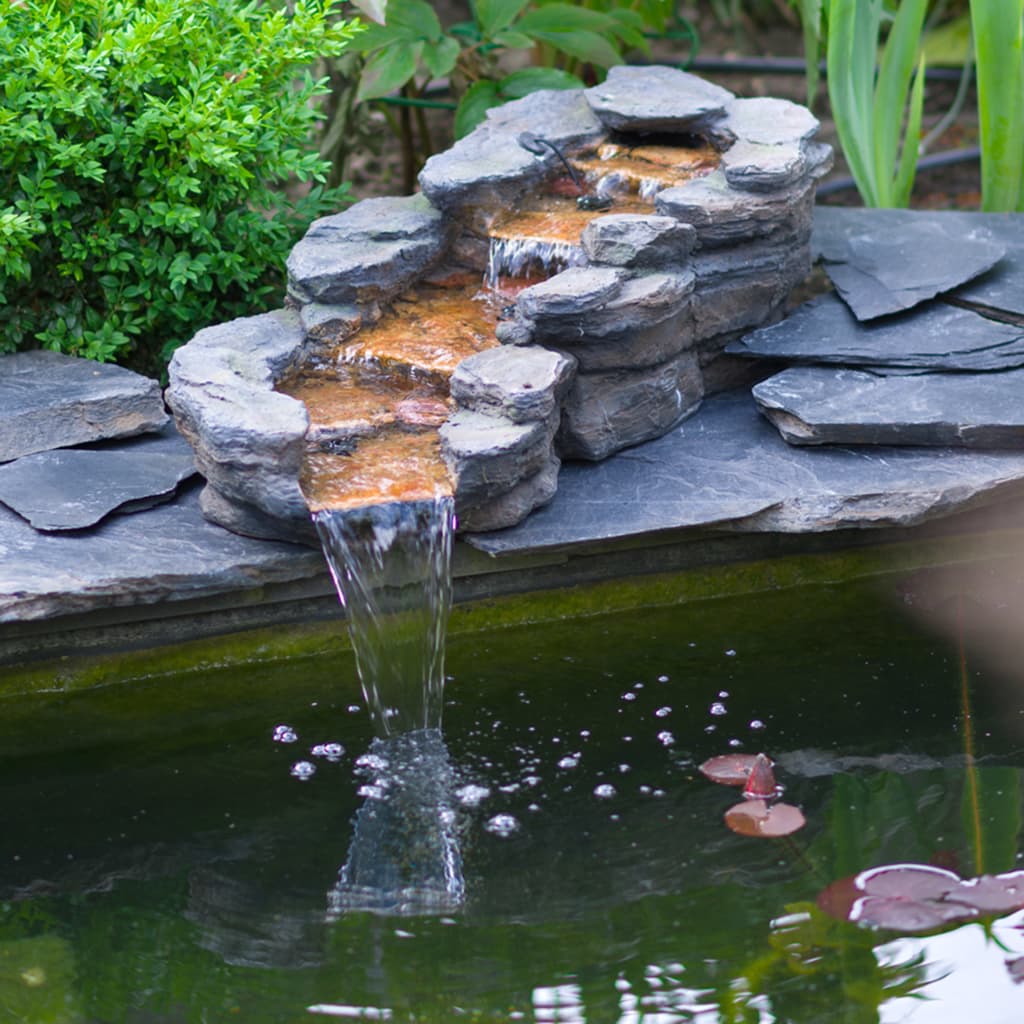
<point x="391" y="565"/>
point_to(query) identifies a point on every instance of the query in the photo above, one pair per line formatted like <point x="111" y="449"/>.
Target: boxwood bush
<point x="144" y="149"/>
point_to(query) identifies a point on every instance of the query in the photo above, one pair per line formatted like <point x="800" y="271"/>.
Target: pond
<point x="173" y="846"/>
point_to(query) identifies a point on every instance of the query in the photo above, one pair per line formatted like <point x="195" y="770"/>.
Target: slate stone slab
<point x="934" y="337"/>
<point x="637" y="240"/>
<point x="728" y="468"/>
<point x="885" y="264"/>
<point x="657" y="99"/>
<point x="370" y="251"/>
<point x="74" y="488"/>
<point x="168" y="553"/>
<point x="767" y="121"/>
<point x="49" y="400"/>
<point x="821" y="405"/>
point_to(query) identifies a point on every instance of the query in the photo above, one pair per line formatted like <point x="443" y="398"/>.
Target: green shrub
<point x="143" y="151"/>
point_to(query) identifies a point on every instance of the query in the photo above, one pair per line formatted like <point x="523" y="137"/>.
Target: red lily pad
<point x="907" y="882"/>
<point x="908" y="915"/>
<point x="729" y="769"/>
<point x="991" y="894"/>
<point x="757" y="818"/>
<point x="837" y="899"/>
<point x="761" y="784"/>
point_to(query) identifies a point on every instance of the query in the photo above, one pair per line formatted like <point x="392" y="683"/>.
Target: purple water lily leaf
<point x="909" y="916"/>
<point x="756" y="818"/>
<point x="991" y="894"/>
<point x="729" y="769"/>
<point x="907" y="881"/>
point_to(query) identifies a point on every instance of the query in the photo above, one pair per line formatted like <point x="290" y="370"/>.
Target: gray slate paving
<point x="727" y="467"/>
<point x="167" y="553"/>
<point x="822" y="405"/>
<point x="933" y="337"/>
<point x="885" y="261"/>
<point x="49" y="400"/>
<point x="74" y="488"/>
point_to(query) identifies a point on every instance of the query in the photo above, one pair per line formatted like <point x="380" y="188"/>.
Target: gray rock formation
<point x="637" y="240"/>
<point x="606" y="412"/>
<point x="49" y="400"/>
<point x="74" y="488"/>
<point x="823" y="405"/>
<point x="248" y="439"/>
<point x="727" y="468"/>
<point x="330" y="325"/>
<point x="933" y="337"/>
<point x="766" y="121"/>
<point x="657" y="99"/>
<point x="521" y="384"/>
<point x="514" y="505"/>
<point x="490" y="166"/>
<point x="883" y="265"/>
<point x="371" y="251"/>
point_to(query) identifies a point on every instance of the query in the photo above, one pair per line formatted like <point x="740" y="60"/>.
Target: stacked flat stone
<point x="626" y="344"/>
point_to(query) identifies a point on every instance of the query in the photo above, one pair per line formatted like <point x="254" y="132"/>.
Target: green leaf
<point x="408" y="21"/>
<point x="907" y="169"/>
<point x="495" y="15"/>
<point x="559" y="17"/>
<point x="527" y="80"/>
<point x="588" y="47"/>
<point x="440" y="58"/>
<point x="472" y="108"/>
<point x="513" y="40"/>
<point x="388" y="70"/>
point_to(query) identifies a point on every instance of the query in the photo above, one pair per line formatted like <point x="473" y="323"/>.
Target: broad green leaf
<point x="408" y="21"/>
<point x="513" y="40"/>
<point x="629" y="27"/>
<point x="439" y="58"/>
<point x="375" y="10"/>
<point x="495" y="15"/>
<point x="472" y="108"/>
<point x="904" y="183"/>
<point x="991" y="814"/>
<point x="559" y="17"/>
<point x="586" y="46"/>
<point x="521" y="83"/>
<point x="948" y="44"/>
<point x="388" y="70"/>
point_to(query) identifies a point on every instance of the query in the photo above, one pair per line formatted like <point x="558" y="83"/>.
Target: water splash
<point x="391" y="565"/>
<point x="516" y="257"/>
<point x="404" y="856"/>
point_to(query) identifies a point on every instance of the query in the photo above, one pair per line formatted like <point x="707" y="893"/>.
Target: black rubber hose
<point x="927" y="163"/>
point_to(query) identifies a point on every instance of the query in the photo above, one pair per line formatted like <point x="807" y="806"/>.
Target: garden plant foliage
<point x="143" y="149"/>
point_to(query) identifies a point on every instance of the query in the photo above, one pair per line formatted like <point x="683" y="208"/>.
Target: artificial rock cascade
<point x="618" y="345"/>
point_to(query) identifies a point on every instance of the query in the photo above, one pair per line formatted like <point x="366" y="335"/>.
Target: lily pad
<point x="908" y="915"/>
<point x="757" y="818"/>
<point x="907" y="881"/>
<point x="991" y="894"/>
<point x="729" y="769"/>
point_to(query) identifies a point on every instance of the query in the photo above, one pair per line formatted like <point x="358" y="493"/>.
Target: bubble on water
<point x="666" y="739"/>
<point x="663" y="712"/>
<point x="645" y="789"/>
<point x="717" y="709"/>
<point x="658" y="792"/>
<point x="638" y="686"/>
<point x="372" y="792"/>
<point x="569" y="762"/>
<point x="723" y="694"/>
<point x="353" y="709"/>
<point x="585" y="733"/>
<point x="531" y="780"/>
<point x="533" y="807"/>
<point x="730" y="653"/>
<point x="662" y="679"/>
<point x="735" y="743"/>
<point x="502" y="825"/>
<point x="471" y="796"/>
<point x="604" y="791"/>
<point x="332" y="751"/>
<point x="629" y="695"/>
<point x="303" y="769"/>
<point x="510" y="787"/>
<point x="756" y="724"/>
<point x="623" y="768"/>
<point x="710" y="728"/>
<point x="372" y="762"/>
<point x="285" y="734"/>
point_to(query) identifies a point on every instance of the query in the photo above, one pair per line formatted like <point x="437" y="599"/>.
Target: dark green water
<point x="159" y="861"/>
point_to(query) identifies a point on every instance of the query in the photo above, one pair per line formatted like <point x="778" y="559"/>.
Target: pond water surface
<point x="172" y="848"/>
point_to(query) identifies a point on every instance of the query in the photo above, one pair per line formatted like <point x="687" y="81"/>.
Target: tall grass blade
<point x="999" y="51"/>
